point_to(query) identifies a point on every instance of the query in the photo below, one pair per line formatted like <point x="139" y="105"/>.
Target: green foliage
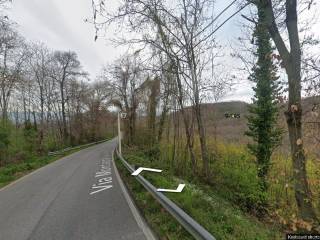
<point x="236" y="171"/>
<point x="30" y="136"/>
<point x="235" y="177"/>
<point x="20" y="143"/>
<point x="4" y="137"/>
<point x="12" y="171"/>
<point x="4" y="140"/>
<point x="217" y="215"/>
<point x="51" y="144"/>
<point x="264" y="112"/>
<point x="153" y="152"/>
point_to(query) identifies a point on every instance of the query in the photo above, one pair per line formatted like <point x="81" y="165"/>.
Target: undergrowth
<point x="220" y="217"/>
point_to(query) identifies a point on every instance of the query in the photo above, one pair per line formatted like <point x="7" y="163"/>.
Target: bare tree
<point x="12" y="55"/>
<point x="127" y="78"/>
<point x="312" y="74"/>
<point x="39" y="63"/>
<point x="66" y="67"/>
<point x="184" y="31"/>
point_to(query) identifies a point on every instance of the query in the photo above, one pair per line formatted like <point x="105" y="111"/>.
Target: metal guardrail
<point x="194" y="228"/>
<point x="74" y="148"/>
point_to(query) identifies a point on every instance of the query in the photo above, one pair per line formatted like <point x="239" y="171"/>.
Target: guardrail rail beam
<point x="194" y="228"/>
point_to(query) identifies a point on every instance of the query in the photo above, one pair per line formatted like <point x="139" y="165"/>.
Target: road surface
<point x="75" y="198"/>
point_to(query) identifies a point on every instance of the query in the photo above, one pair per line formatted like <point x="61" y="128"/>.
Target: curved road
<point x="75" y="198"/>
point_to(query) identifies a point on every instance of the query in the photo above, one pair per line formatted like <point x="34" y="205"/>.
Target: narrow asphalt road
<point x="75" y="198"/>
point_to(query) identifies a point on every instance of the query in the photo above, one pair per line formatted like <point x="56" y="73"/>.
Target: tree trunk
<point x="294" y="122"/>
<point x="186" y="124"/>
<point x="4" y="103"/>
<point x="292" y="62"/>
<point x="163" y="117"/>
<point x="34" y="120"/>
<point x="63" y="112"/>
<point x="154" y="86"/>
<point x="197" y="108"/>
<point x="24" y="108"/>
<point x="41" y="120"/>
<point x="203" y="144"/>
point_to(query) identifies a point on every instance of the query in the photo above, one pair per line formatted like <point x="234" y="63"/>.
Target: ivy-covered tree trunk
<point x="262" y="122"/>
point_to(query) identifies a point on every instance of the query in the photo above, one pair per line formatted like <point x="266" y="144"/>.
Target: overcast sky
<point x="60" y="25"/>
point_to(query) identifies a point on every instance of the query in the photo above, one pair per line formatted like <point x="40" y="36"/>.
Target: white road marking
<point x="100" y="188"/>
<point x="178" y="190"/>
<point x="139" y="170"/>
<point x="104" y="180"/>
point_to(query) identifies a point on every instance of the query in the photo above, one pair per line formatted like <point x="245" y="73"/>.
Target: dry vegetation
<point x="233" y="168"/>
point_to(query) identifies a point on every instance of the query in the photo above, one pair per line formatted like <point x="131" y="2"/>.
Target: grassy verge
<point x="234" y="178"/>
<point x="218" y="216"/>
<point x="14" y="171"/>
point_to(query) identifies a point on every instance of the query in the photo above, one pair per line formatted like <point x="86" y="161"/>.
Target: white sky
<point x="60" y="25"/>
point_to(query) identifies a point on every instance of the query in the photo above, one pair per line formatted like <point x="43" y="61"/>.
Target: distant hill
<point x="228" y="129"/>
<point x="217" y="110"/>
<point x="232" y="130"/>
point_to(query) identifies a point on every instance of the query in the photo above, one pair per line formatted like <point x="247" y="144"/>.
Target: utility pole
<point x="122" y="115"/>
<point x="119" y="133"/>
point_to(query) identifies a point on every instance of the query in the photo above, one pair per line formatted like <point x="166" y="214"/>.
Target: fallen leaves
<point x="293" y="223"/>
<point x="304" y="225"/>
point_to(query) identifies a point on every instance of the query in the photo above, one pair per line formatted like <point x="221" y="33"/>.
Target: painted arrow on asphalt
<point x="139" y="170"/>
<point x="178" y="190"/>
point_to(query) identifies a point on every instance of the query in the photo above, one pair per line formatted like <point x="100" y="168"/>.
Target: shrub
<point x="153" y="152"/>
<point x="30" y="135"/>
<point x="235" y="177"/>
<point x="4" y="141"/>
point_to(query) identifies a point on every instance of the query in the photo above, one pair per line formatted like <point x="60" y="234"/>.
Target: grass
<point x="13" y="171"/>
<point x="220" y="217"/>
<point x="281" y="190"/>
<point x="234" y="177"/>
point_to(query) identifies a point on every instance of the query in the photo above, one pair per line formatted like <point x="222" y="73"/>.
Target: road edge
<point x="135" y="212"/>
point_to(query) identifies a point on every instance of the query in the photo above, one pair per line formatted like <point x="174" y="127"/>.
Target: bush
<point x="235" y="177"/>
<point x="240" y="186"/>
<point x="30" y="135"/>
<point x="153" y="152"/>
<point x="4" y="140"/>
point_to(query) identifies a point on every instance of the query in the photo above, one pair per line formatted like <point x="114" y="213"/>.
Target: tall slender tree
<point x="262" y="122"/>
